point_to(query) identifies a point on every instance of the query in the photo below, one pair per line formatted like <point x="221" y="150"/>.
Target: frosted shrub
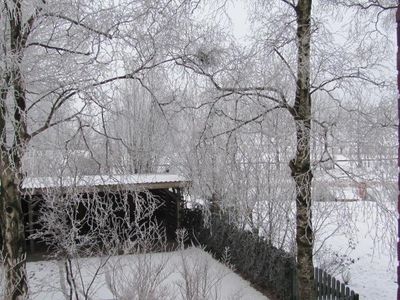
<point x="75" y="225"/>
<point x="144" y="279"/>
<point x="333" y="262"/>
<point x="226" y="258"/>
<point x="198" y="281"/>
<point x="346" y="277"/>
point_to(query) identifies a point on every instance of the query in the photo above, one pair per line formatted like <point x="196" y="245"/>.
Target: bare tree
<point x="141" y="127"/>
<point x="301" y="113"/>
<point x="56" y="56"/>
<point x="296" y="65"/>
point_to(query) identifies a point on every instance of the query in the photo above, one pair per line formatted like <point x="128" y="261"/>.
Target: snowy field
<point x="171" y="275"/>
<point x="364" y="241"/>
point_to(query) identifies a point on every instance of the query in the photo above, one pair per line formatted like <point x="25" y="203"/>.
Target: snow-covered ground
<point x="168" y="275"/>
<point x="361" y="234"/>
<point x="364" y="240"/>
<point x="359" y="237"/>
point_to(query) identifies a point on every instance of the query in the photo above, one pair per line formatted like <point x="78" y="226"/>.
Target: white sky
<point x="238" y="12"/>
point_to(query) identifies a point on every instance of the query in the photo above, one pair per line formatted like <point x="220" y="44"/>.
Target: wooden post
<point x="398" y="145"/>
<point x="30" y="224"/>
<point x="178" y="208"/>
<point x="295" y="290"/>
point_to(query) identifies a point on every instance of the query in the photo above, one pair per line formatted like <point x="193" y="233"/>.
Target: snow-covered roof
<point x="347" y="194"/>
<point x="340" y="190"/>
<point x="132" y="181"/>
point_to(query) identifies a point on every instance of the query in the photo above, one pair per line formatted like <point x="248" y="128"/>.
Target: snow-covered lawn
<point x="365" y="240"/>
<point x="168" y="275"/>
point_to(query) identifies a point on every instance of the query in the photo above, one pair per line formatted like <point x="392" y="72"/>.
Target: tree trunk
<point x="11" y="216"/>
<point x="13" y="235"/>
<point x="301" y="164"/>
<point x="398" y="149"/>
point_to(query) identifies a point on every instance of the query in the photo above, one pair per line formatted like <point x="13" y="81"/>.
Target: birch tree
<point x="57" y="56"/>
<point x="296" y="60"/>
<point x="301" y="114"/>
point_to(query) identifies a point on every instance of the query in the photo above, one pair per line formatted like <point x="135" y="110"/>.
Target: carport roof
<point x="36" y="185"/>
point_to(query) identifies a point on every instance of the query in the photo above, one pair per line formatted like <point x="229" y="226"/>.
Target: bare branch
<point x="357" y="76"/>
<point x="48" y="125"/>
<point x="60" y="50"/>
<point x="367" y="4"/>
<point x="291" y="4"/>
<point x="79" y="23"/>
<point x="286" y="63"/>
<point x="243" y="123"/>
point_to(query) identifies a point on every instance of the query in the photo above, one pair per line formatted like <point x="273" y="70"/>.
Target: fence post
<point x="347" y="292"/>
<point x="324" y="285"/>
<point x="321" y="283"/>
<point x="316" y="282"/>
<point x="342" y="291"/>
<point x="329" y="287"/>
<point x="295" y="291"/>
<point x="338" y="294"/>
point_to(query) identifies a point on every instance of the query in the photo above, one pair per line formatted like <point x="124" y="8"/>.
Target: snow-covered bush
<point x="74" y="224"/>
<point x="144" y="279"/>
<point x="333" y="262"/>
<point x="197" y="283"/>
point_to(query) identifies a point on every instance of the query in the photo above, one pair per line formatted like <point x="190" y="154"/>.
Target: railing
<point x="329" y="288"/>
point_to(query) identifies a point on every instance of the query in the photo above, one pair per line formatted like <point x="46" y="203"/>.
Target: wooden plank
<point x="342" y="290"/>
<point x="333" y="288"/>
<point x="338" y="289"/>
<point x="329" y="287"/>
<point x="347" y="292"/>
<point x="321" y="287"/>
<point x="30" y="223"/>
<point x="178" y="209"/>
<point x="295" y="290"/>
<point x="316" y="283"/>
<point x="324" y="285"/>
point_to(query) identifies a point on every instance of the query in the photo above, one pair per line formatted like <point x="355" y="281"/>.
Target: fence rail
<point x="329" y="288"/>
